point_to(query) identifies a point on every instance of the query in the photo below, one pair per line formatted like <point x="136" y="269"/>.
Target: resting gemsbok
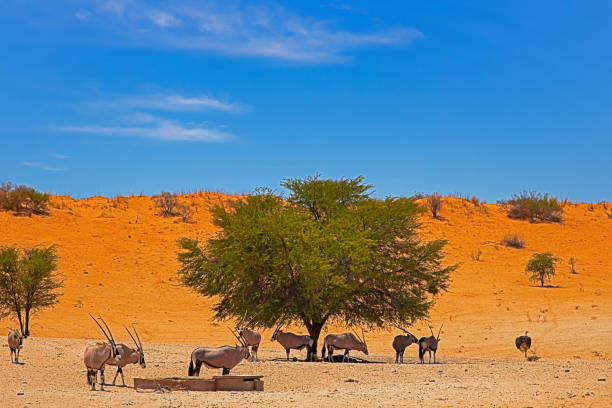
<point x="225" y="357"/>
<point x="128" y="356"/>
<point x="291" y="341"/>
<point x="346" y="342"/>
<point x="15" y="343"/>
<point x="96" y="356"/>
<point x="251" y="337"/>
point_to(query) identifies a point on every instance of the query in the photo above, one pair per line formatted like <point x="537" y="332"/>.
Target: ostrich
<point x="523" y="343"/>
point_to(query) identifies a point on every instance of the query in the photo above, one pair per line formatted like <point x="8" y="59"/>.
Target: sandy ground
<point x="53" y="375"/>
<point x="117" y="258"/>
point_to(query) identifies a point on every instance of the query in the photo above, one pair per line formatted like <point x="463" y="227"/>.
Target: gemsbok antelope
<point x="251" y="337"/>
<point x="15" y="343"/>
<point x="400" y="342"/>
<point x="291" y="341"/>
<point x="346" y="342"/>
<point x="523" y="343"/>
<point x="225" y="357"/>
<point x="128" y="356"/>
<point x="96" y="356"/>
<point x="429" y="344"/>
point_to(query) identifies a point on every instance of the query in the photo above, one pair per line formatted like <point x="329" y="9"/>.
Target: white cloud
<point x="164" y="19"/>
<point x="173" y="102"/>
<point x="243" y="29"/>
<point x="59" y="156"/>
<point x="40" y="166"/>
<point x="150" y="127"/>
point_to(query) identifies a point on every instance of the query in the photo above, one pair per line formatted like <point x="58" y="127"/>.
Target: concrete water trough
<point x="217" y="383"/>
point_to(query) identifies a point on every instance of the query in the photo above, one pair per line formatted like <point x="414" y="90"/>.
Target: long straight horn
<point x="237" y="337"/>
<point x="433" y="335"/>
<point x="133" y="339"/>
<point x="239" y="325"/>
<point x="439" y="331"/>
<point x="252" y="319"/>
<point x="138" y="337"/>
<point x="358" y="338"/>
<point x="109" y="331"/>
<point x="101" y="328"/>
<point x="363" y="336"/>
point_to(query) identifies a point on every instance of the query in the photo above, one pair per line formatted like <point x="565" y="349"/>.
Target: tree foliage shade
<point x="28" y="282"/>
<point x="541" y="267"/>
<point x="327" y="252"/>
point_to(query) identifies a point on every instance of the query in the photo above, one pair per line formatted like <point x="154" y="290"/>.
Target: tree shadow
<point x="548" y="286"/>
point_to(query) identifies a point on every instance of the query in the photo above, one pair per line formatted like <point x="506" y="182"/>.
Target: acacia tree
<point x="541" y="266"/>
<point x="28" y="282"/>
<point x="328" y="251"/>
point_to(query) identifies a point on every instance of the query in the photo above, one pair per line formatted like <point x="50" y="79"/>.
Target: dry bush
<point x="476" y="254"/>
<point x="535" y="207"/>
<point x="514" y="241"/>
<point x="434" y="203"/>
<point x="23" y="200"/>
<point x="475" y="201"/>
<point x="169" y="206"/>
<point x="572" y="263"/>
<point x="166" y="204"/>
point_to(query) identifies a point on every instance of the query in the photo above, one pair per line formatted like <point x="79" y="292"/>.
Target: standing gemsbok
<point x="400" y="342"/>
<point x="251" y="337"/>
<point x="15" y="343"/>
<point x="291" y="341"/>
<point x="128" y="356"/>
<point x="429" y="344"/>
<point x="346" y="342"/>
<point x="224" y="357"/>
<point x="96" y="356"/>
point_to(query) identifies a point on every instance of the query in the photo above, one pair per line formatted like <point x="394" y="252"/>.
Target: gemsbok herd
<point x="97" y="356"/>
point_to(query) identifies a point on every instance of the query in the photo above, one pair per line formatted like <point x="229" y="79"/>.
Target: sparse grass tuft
<point x="533" y="356"/>
<point x="476" y="254"/>
<point x="514" y="241"/>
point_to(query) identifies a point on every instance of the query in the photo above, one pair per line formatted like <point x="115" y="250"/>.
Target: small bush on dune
<point x="434" y="203"/>
<point x="535" y="207"/>
<point x="514" y="241"/>
<point x="23" y="200"/>
<point x="169" y="206"/>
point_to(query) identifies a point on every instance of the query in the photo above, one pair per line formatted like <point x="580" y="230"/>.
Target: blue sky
<point x="484" y="98"/>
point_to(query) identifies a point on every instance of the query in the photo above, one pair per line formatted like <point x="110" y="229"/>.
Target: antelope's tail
<point x="88" y="377"/>
<point x="191" y="370"/>
<point x="323" y="351"/>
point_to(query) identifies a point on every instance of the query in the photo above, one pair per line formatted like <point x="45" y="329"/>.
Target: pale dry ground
<point x="56" y="378"/>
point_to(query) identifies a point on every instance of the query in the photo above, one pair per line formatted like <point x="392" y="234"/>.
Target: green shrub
<point x="23" y="200"/>
<point x="541" y="266"/>
<point x="535" y="207"/>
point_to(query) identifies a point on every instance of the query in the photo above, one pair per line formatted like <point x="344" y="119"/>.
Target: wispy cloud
<point x="147" y="126"/>
<point x="59" y="156"/>
<point x="83" y="14"/>
<point x="41" y="166"/>
<point x="172" y="102"/>
<point x="242" y="29"/>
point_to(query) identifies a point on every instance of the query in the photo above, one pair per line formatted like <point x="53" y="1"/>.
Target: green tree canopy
<point x="28" y="282"/>
<point x="541" y="267"/>
<point x="327" y="252"/>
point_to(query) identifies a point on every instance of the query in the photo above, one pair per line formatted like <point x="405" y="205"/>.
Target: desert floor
<point x="118" y="259"/>
<point x="53" y="375"/>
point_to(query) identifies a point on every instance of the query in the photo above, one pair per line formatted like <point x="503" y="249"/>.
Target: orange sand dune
<point x="118" y="258"/>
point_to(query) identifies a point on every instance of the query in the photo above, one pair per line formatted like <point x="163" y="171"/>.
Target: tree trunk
<point x="20" y="321"/>
<point x="542" y="282"/>
<point x="27" y="323"/>
<point x="314" y="330"/>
